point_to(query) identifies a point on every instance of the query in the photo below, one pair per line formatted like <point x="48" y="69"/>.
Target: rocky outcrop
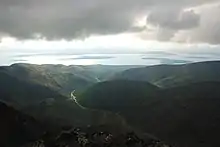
<point x="79" y="137"/>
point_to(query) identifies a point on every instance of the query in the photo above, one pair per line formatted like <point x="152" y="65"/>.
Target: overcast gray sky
<point x="118" y="26"/>
<point x="185" y="20"/>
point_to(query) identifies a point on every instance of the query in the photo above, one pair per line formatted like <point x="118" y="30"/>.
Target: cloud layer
<point x="166" y="20"/>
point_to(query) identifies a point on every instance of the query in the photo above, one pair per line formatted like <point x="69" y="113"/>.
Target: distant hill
<point x="61" y="78"/>
<point x="183" y="116"/>
<point x="22" y="93"/>
<point x="174" y="75"/>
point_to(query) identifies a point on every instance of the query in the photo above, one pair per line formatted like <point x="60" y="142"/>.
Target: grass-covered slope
<point x="22" y="93"/>
<point x="184" y="116"/>
<point x="61" y="78"/>
<point x="20" y="130"/>
<point x="116" y="94"/>
<point x="174" y="75"/>
<point x="47" y="105"/>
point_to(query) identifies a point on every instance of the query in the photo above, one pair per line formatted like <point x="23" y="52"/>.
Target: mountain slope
<point x="115" y="94"/>
<point x="183" y="116"/>
<point x="48" y="106"/>
<point x="174" y="75"/>
<point x="17" y="128"/>
<point x="61" y="78"/>
<point x="69" y="113"/>
<point x="22" y="93"/>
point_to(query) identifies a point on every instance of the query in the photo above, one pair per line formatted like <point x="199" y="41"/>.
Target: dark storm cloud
<point x="170" y="21"/>
<point x="65" y="18"/>
<point x="68" y="19"/>
<point x="209" y="29"/>
<point x="174" y="19"/>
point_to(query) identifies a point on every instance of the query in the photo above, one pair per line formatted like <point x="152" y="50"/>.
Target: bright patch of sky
<point x="121" y="49"/>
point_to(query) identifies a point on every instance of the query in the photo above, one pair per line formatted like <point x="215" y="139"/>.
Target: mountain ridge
<point x="183" y="116"/>
<point x="174" y="75"/>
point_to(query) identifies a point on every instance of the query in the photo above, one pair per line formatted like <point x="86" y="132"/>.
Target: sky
<point x="109" y="31"/>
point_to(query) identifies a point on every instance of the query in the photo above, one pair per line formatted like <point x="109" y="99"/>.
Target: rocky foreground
<point x="90" y="137"/>
<point x="20" y="130"/>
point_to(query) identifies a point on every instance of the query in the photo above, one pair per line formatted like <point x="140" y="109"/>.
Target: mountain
<point x="183" y="116"/>
<point x="17" y="128"/>
<point x="20" y="130"/>
<point x="113" y="95"/>
<point x="174" y="75"/>
<point x="31" y="89"/>
<point x="61" y="78"/>
<point x="48" y="106"/>
<point x="105" y="72"/>
<point x="22" y="93"/>
<point x="67" y="112"/>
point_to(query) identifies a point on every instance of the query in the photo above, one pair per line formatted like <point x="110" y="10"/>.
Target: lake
<point x="148" y="58"/>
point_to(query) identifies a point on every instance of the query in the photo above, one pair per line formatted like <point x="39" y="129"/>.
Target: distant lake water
<point x="150" y="58"/>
